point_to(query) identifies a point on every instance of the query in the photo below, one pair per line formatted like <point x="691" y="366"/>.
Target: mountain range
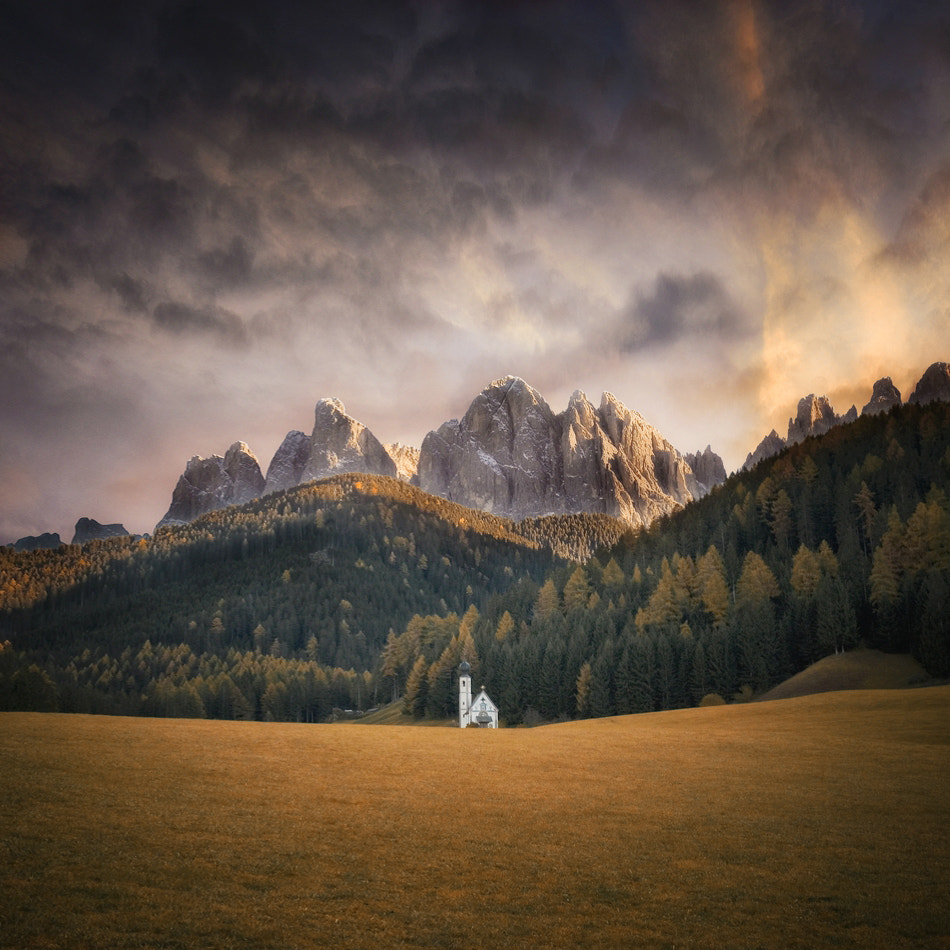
<point x="510" y="454"/>
<point x="359" y="586"/>
<point x="815" y="414"/>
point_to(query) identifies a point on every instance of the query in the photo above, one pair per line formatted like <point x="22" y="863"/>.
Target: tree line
<point x="839" y="540"/>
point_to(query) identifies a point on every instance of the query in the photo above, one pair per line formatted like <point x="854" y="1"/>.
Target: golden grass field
<point x="822" y="821"/>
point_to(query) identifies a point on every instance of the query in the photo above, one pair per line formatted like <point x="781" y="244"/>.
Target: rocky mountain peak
<point x="933" y="386"/>
<point x="211" y="483"/>
<point x="512" y="455"/>
<point x="287" y="466"/>
<point x="501" y="456"/>
<point x="815" y="416"/>
<point x="884" y="396"/>
<point x="37" y="542"/>
<point x="330" y="407"/>
<point x="708" y="468"/>
<point x="771" y="445"/>
<point x="340" y="444"/>
<point x="406" y="458"/>
<point x="244" y="471"/>
<point x="580" y="411"/>
<point x="88" y="529"/>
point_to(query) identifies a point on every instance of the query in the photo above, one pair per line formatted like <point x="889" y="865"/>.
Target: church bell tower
<point x="465" y="694"/>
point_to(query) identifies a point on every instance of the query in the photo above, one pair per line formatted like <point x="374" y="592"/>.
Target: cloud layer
<point x="217" y="213"/>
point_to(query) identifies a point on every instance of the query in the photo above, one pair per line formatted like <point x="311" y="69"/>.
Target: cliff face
<point x="708" y="468"/>
<point x="502" y="457"/>
<point x="211" y="483"/>
<point x="340" y="444"/>
<point x="88" y="529"/>
<point x="287" y="466"/>
<point x="510" y="454"/>
<point x="814" y="417"/>
<point x="337" y="444"/>
<point x="933" y="386"/>
<point x="884" y="396"/>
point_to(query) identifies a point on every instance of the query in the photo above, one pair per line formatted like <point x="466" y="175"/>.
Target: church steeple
<point x="465" y="693"/>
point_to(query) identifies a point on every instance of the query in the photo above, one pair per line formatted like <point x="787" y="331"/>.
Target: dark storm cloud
<point x="680" y="306"/>
<point x="349" y="190"/>
<point x="179" y="318"/>
<point x="229" y="265"/>
<point x="131" y="292"/>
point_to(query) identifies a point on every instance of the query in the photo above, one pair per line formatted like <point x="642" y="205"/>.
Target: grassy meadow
<point x="809" y="822"/>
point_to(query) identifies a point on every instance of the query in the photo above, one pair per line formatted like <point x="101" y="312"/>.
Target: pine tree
<point x="547" y="602"/>
<point x="505" y="626"/>
<point x="600" y="699"/>
<point x="414" y="700"/>
<point x="582" y="692"/>
<point x="887" y="564"/>
<point x="836" y="621"/>
<point x="643" y="679"/>
<point x="576" y="590"/>
<point x="864" y="502"/>
<point x="755" y="621"/>
<point x="613" y="575"/>
<point x="552" y="701"/>
<point x="699" y="678"/>
<point x="711" y="581"/>
<point x="806" y="572"/>
<point x="781" y="518"/>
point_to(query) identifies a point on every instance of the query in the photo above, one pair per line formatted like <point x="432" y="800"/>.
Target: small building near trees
<point x="481" y="711"/>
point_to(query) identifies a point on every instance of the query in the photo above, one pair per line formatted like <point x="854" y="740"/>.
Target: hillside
<point x="857" y="669"/>
<point x="812" y="822"/>
<point x="839" y="541"/>
<point x="297" y="591"/>
<point x="358" y="590"/>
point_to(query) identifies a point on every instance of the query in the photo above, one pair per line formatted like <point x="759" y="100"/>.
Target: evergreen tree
<point x="552" y="697"/>
<point x="416" y="695"/>
<point x="711" y="581"/>
<point x="835" y="617"/>
<point x="582" y="691"/>
<point x="755" y="621"/>
<point x="577" y="590"/>
<point x="600" y="695"/>
<point x="547" y="602"/>
<point x="699" y="681"/>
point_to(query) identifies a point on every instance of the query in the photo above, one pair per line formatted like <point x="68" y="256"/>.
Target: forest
<point x="357" y="591"/>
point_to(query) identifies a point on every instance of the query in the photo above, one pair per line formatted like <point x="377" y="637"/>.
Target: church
<point x="481" y="711"/>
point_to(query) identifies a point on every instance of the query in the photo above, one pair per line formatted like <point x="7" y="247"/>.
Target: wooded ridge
<point x="353" y="590"/>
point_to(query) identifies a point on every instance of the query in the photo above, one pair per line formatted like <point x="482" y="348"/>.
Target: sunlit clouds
<point x="217" y="213"/>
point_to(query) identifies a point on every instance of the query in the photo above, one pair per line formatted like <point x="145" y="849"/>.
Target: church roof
<point x="483" y="695"/>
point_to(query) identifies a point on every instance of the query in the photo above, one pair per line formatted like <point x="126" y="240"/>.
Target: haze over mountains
<point x="510" y="454"/>
<point x="815" y="414"/>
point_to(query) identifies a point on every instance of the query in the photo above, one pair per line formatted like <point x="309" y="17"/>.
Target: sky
<point x="214" y="214"/>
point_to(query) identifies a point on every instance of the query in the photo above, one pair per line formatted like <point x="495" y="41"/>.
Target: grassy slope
<point x="856" y="669"/>
<point x="392" y="715"/>
<point x="818" y="821"/>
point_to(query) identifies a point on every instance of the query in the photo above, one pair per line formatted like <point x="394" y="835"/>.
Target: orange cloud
<point x="748" y="51"/>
